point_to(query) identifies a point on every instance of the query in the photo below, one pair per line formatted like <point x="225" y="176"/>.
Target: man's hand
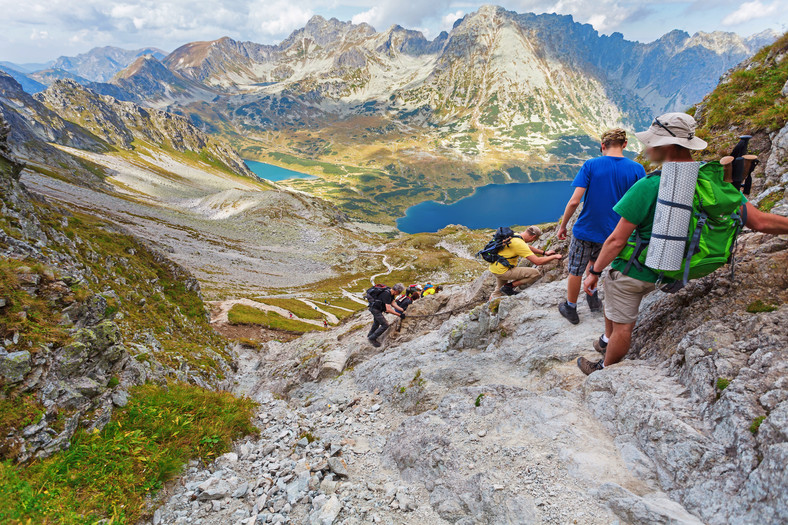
<point x="562" y="233"/>
<point x="556" y="256"/>
<point x="590" y="284"/>
<point x="402" y="315"/>
<point x="550" y="252"/>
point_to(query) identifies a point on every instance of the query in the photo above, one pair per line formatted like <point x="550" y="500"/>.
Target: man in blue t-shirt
<point x="603" y="181"/>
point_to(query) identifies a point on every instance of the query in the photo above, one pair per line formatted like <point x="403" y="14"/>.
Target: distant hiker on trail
<point x="381" y="299"/>
<point x="670" y="139"/>
<point x="291" y="315"/>
<point x="602" y="181"/>
<point x="325" y="323"/>
<point x="503" y="253"/>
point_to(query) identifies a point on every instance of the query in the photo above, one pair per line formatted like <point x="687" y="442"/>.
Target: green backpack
<point x="715" y="225"/>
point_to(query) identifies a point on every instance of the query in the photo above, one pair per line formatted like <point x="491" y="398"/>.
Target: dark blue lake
<point x="271" y="172"/>
<point x="492" y="206"/>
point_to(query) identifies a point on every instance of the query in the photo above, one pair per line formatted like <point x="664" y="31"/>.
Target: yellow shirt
<point x="517" y="248"/>
<point x="428" y="291"/>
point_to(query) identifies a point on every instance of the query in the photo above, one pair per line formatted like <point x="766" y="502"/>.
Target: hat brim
<point x="653" y="140"/>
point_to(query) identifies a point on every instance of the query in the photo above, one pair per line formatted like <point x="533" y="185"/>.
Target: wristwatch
<point x="592" y="272"/>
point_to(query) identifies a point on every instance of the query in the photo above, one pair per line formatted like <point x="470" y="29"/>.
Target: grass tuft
<point x="758" y="306"/>
<point x="109" y="474"/>
<point x="771" y="200"/>
<point x="756" y="424"/>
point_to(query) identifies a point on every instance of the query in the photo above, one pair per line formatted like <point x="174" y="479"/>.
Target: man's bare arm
<point x="543" y="260"/>
<point x="571" y="208"/>
<point x="390" y="308"/>
<point x="765" y="222"/>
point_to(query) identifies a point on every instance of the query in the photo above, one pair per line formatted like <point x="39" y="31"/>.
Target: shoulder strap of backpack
<point x="640" y="245"/>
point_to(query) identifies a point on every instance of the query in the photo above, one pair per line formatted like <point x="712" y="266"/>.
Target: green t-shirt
<point x="638" y="206"/>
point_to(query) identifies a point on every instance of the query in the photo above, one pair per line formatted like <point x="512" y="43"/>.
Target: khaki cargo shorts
<point x="623" y="296"/>
<point x="518" y="273"/>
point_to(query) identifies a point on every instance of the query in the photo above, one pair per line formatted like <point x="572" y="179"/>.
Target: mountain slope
<point x="102" y="339"/>
<point x="148" y="81"/>
<point x="120" y="124"/>
<point x="28" y="84"/>
<point x="101" y="63"/>
<point x="51" y="75"/>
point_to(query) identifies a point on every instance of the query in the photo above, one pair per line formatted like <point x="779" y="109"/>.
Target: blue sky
<point x="40" y="30"/>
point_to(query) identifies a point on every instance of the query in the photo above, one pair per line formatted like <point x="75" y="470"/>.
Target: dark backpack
<point x="501" y="239"/>
<point x="374" y="293"/>
<point x="405" y="302"/>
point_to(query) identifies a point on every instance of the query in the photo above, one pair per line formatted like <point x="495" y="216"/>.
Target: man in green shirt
<point x="671" y="138"/>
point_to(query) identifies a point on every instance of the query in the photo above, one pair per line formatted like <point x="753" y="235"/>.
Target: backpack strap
<point x="640" y="245"/>
<point x="503" y="260"/>
<point x="694" y="243"/>
<point x="740" y="219"/>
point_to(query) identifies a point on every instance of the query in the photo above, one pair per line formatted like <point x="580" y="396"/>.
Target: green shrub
<point x="722" y="383"/>
<point x="478" y="401"/>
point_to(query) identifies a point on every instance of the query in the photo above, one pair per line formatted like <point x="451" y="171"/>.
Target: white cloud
<point x="448" y="20"/>
<point x="43" y="29"/>
<point x="372" y="17"/>
<point x="750" y="11"/>
<point x="39" y="34"/>
<point x="280" y="17"/>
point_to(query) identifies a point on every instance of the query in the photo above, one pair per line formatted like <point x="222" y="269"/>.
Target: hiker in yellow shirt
<point x="430" y="289"/>
<point x="509" y="278"/>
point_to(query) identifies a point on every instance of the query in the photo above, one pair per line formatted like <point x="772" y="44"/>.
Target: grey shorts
<point x="580" y="253"/>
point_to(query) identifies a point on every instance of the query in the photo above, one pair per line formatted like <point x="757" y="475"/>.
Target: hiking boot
<point x="508" y="289"/>
<point x="373" y="342"/>
<point x="589" y="367"/>
<point x="569" y="312"/>
<point x="594" y="302"/>
<point x="600" y="346"/>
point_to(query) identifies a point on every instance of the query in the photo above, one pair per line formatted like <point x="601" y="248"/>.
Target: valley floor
<point x="223" y="254"/>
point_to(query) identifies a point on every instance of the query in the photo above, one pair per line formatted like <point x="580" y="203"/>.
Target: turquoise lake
<point x="492" y="206"/>
<point x="273" y="173"/>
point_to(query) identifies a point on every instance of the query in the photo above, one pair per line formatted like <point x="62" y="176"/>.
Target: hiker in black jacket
<point x="381" y="299"/>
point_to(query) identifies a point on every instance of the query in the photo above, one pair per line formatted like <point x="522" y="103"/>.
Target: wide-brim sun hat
<point x="672" y="128"/>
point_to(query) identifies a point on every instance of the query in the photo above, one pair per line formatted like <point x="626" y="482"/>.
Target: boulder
<point x="14" y="366"/>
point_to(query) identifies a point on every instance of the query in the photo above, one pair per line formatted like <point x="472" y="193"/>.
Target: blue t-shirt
<point x="606" y="180"/>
